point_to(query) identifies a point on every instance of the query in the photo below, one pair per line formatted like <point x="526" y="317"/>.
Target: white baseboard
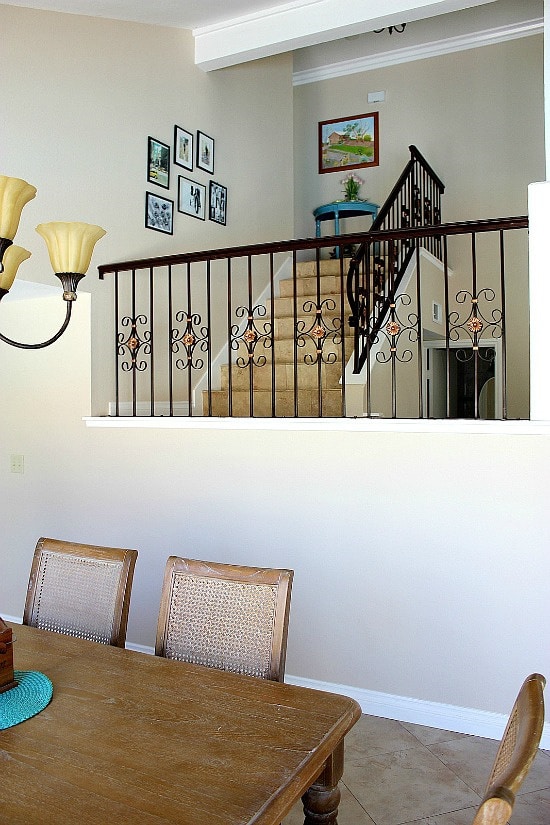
<point x="420" y="712"/>
<point x="401" y="708"/>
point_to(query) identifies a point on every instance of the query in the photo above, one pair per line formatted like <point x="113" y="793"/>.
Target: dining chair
<point x="515" y="755"/>
<point x="81" y="590"/>
<point x="225" y="616"/>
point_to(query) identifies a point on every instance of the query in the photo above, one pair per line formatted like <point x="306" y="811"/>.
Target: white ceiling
<point x="227" y="32"/>
<point x="184" y="14"/>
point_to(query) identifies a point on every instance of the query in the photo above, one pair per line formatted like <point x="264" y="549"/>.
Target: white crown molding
<point x="435" y="48"/>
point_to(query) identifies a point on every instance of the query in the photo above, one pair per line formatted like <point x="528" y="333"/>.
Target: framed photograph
<point x="348" y="142"/>
<point x="158" y="163"/>
<point x="159" y="213"/>
<point x="218" y="203"/>
<point x="205" y="152"/>
<point x="191" y="198"/>
<point x="183" y="148"/>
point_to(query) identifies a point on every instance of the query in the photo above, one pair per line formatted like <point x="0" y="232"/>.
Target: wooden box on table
<point x="6" y="657"/>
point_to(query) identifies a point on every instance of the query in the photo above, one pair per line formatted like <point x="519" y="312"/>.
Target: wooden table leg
<point x="321" y="800"/>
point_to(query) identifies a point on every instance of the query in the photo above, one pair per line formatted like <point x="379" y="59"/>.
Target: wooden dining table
<point x="132" y="738"/>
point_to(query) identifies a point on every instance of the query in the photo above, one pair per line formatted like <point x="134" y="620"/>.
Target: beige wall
<point x="477" y="116"/>
<point x="421" y="560"/>
<point x="79" y="105"/>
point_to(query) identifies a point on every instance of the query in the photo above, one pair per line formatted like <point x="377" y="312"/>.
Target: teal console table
<point x="342" y="209"/>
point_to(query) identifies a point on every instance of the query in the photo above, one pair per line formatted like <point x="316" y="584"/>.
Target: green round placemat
<point x="31" y="694"/>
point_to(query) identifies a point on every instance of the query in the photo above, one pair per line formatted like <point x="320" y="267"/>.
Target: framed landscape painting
<point x="348" y="142"/>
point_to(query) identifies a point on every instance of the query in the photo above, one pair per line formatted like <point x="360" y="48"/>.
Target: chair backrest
<point x="517" y="750"/>
<point x="81" y="590"/>
<point x="225" y="616"/>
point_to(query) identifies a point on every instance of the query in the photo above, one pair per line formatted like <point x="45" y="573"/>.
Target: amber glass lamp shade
<point x="14" y="194"/>
<point x="70" y="245"/>
<point x="13" y="256"/>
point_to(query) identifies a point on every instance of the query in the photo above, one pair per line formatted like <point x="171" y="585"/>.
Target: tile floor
<point x="398" y="773"/>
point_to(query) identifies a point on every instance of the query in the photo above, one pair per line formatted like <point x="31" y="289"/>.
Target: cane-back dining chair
<point x="225" y="616"/>
<point x="515" y="755"/>
<point x="81" y="590"/>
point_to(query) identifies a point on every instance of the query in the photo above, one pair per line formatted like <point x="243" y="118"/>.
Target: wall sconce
<point x="70" y="247"/>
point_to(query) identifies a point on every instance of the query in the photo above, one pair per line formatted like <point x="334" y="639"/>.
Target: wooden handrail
<point x="457" y="228"/>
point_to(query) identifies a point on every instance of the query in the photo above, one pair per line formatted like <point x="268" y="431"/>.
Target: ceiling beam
<point x="301" y="23"/>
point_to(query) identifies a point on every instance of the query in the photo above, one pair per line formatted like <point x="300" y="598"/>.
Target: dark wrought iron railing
<point x="439" y="345"/>
<point x="414" y="201"/>
<point x="264" y="330"/>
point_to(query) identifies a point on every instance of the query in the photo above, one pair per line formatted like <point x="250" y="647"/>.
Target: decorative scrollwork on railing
<point x="320" y="332"/>
<point x="428" y="212"/>
<point x="192" y="340"/>
<point x="396" y="331"/>
<point x="133" y="344"/>
<point x="416" y="206"/>
<point x="379" y="273"/>
<point x="252" y="337"/>
<point x="463" y="354"/>
<point x="477" y="324"/>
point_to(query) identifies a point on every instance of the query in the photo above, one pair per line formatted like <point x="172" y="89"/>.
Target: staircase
<point x="292" y="366"/>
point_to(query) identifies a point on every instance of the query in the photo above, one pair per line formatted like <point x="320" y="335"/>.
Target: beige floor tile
<point x="407" y="785"/>
<point x="430" y="736"/>
<point x="532" y="809"/>
<point x="462" y="817"/>
<point x="471" y="758"/>
<point x="405" y="774"/>
<point x="373" y="735"/>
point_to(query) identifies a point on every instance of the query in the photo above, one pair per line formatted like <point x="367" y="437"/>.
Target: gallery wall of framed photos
<point x="197" y="196"/>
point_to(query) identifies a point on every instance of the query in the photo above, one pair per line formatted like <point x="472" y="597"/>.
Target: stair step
<point x="308" y="403"/>
<point x="305" y="306"/>
<point x="308" y="285"/>
<point x="308" y="269"/>
<point x="284" y="326"/>
<point x="307" y="376"/>
<point x="284" y="350"/>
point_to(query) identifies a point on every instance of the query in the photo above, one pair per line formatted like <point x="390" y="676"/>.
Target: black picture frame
<point x="158" y="162"/>
<point x="159" y="213"/>
<point x="205" y="152"/>
<point x="217" y="211"/>
<point x="183" y="148"/>
<point x="191" y="198"/>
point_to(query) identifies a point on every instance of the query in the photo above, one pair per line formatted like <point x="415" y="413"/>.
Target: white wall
<point x="421" y="560"/>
